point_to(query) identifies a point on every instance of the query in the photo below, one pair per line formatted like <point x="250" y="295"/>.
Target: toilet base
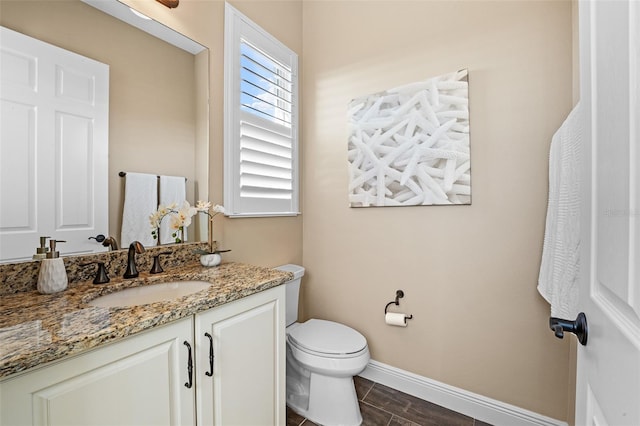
<point x="332" y="401"/>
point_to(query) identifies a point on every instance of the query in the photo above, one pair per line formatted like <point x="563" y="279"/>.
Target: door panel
<point x="74" y="172"/>
<point x="90" y="398"/>
<point x="248" y="371"/>
<point x="17" y="166"/>
<point x="244" y="344"/>
<point x="608" y="380"/>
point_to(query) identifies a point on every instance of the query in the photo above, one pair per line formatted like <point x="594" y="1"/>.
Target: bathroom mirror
<point x="158" y="94"/>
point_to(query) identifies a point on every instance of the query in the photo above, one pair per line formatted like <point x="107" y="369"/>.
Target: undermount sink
<point x="161" y="292"/>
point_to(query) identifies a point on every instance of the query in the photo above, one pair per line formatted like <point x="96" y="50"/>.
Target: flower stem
<point x="210" y="233"/>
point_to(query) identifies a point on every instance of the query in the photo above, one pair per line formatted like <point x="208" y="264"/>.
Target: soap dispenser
<point x="41" y="252"/>
<point x="53" y="275"/>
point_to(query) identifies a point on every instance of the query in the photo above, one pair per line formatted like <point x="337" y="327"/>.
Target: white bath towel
<point x="173" y="189"/>
<point x="140" y="201"/>
<point x="560" y="267"/>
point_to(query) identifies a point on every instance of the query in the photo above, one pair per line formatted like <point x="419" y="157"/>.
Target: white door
<point x="608" y="382"/>
<point x="54" y="113"/>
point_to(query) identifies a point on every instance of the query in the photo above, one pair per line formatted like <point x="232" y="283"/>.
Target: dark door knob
<point x="577" y="327"/>
<point x="99" y="238"/>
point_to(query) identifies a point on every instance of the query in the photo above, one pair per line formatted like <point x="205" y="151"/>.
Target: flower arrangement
<point x="180" y="217"/>
<point x="206" y="208"/>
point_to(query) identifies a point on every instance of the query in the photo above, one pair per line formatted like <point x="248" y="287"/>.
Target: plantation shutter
<point x="261" y="173"/>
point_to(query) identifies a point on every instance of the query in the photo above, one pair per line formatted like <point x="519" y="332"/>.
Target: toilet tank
<point x="292" y="291"/>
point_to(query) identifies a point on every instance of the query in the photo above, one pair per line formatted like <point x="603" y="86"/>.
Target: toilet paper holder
<point x="399" y="295"/>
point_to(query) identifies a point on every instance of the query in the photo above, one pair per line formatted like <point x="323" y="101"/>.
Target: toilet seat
<point x="328" y="339"/>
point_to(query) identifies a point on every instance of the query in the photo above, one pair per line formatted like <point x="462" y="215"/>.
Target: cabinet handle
<point x="210" y="372"/>
<point x="189" y="366"/>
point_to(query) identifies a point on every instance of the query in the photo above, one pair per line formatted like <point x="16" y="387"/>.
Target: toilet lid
<point x="327" y="337"/>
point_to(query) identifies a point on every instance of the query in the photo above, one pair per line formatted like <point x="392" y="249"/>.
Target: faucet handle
<point x="157" y="268"/>
<point x="101" y="274"/>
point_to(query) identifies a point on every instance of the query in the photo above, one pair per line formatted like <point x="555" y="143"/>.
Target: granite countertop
<point x="36" y="328"/>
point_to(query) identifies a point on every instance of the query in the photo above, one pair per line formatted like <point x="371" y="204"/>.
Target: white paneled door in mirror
<point x="53" y="147"/>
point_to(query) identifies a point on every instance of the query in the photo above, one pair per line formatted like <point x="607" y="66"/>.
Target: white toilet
<point x="322" y="358"/>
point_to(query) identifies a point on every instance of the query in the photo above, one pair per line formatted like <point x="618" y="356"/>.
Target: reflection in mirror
<point x="158" y="96"/>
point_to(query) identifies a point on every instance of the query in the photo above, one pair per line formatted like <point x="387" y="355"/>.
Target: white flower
<point x="188" y="210"/>
<point x="203" y="206"/>
<point x="179" y="218"/>
<point x="154" y="220"/>
<point x="183" y="216"/>
<point x="178" y="222"/>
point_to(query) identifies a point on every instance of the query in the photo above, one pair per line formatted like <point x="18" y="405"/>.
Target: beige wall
<point x="469" y="272"/>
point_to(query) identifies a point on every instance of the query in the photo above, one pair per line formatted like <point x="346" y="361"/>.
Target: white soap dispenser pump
<point x="53" y="275"/>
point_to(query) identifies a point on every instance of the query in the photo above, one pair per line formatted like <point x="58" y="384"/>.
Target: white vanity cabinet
<point x="142" y="379"/>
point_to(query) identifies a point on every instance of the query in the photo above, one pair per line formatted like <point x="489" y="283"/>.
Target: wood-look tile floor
<point x="383" y="406"/>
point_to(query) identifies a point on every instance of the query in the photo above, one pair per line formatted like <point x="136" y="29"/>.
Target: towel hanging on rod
<point x="140" y="200"/>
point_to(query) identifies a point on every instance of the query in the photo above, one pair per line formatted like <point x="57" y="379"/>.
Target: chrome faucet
<point x="132" y="270"/>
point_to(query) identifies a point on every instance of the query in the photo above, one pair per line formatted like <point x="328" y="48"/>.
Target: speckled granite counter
<point x="36" y="329"/>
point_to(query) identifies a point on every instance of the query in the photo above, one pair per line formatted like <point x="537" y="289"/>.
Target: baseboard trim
<point x="468" y="403"/>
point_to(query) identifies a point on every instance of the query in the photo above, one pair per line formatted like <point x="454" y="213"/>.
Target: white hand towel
<point x="560" y="267"/>
<point x="140" y="201"/>
<point x="173" y="189"/>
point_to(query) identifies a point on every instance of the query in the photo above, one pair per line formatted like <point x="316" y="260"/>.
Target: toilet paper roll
<point x="393" y="318"/>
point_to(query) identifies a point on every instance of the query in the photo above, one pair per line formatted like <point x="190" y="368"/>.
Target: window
<point x="261" y="121"/>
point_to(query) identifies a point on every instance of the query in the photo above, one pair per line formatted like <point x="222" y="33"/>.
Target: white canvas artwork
<point x="410" y="145"/>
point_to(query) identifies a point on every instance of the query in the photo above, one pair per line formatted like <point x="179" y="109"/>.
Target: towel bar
<point x="123" y="174"/>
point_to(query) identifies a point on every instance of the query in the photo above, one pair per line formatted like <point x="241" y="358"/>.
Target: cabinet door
<point x="248" y="382"/>
<point x="137" y="381"/>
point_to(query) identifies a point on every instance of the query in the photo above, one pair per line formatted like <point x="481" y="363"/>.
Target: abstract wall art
<point x="409" y="145"/>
